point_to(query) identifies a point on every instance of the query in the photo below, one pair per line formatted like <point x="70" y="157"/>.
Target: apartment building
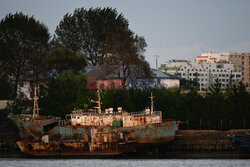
<point x="204" y="73"/>
<point x="241" y="62"/>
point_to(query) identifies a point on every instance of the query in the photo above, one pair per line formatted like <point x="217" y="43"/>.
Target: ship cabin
<point x="117" y="118"/>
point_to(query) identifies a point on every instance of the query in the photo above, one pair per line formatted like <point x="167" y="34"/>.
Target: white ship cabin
<point x="117" y="118"/>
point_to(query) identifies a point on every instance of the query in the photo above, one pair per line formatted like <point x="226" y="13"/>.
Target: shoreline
<point x="169" y="155"/>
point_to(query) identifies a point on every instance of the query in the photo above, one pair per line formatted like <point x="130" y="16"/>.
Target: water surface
<point x="9" y="162"/>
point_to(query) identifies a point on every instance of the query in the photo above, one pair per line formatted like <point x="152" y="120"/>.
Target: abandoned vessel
<point x="95" y="133"/>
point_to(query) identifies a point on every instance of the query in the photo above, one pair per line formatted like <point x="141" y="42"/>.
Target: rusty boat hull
<point x="65" y="149"/>
<point x="30" y="129"/>
<point x="71" y="141"/>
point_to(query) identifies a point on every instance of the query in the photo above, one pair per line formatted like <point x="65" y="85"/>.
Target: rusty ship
<point x="93" y="133"/>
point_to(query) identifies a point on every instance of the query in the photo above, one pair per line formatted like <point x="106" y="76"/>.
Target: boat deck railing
<point x="40" y="119"/>
<point x="141" y="113"/>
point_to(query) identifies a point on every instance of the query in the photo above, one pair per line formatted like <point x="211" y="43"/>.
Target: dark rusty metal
<point x="54" y="137"/>
<point x="78" y="140"/>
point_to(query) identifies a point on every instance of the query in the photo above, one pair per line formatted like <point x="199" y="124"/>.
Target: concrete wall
<point x="204" y="140"/>
<point x="168" y="83"/>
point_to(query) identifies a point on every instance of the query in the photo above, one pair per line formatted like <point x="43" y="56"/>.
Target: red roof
<point x="202" y="56"/>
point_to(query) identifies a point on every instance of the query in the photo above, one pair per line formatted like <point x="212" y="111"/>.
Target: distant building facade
<point x="164" y="79"/>
<point x="204" y="73"/>
<point x="241" y="62"/>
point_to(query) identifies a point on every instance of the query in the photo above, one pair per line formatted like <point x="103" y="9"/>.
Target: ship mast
<point x="98" y="102"/>
<point x="152" y="103"/>
<point x="35" y="106"/>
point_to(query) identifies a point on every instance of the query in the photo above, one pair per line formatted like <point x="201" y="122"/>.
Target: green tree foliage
<point x="221" y="111"/>
<point x="5" y="88"/>
<point x="125" y="52"/>
<point x="23" y="45"/>
<point x="86" y="31"/>
<point x="64" y="93"/>
<point x="62" y="59"/>
<point x="98" y="34"/>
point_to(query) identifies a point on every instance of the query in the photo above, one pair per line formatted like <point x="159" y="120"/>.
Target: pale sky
<point x="176" y="29"/>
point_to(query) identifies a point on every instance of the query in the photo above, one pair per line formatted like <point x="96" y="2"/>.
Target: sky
<point x="173" y="29"/>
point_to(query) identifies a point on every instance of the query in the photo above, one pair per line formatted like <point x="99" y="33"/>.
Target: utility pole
<point x="156" y="61"/>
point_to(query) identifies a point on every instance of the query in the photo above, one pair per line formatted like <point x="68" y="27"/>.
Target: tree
<point x="5" y="88"/>
<point x="86" y="31"/>
<point x="215" y="88"/>
<point x="125" y="53"/>
<point x="23" y="45"/>
<point x="104" y="37"/>
<point x="62" y="59"/>
<point x="64" y="93"/>
<point x="91" y="32"/>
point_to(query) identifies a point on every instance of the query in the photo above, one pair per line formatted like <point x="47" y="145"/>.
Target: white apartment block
<point x="204" y="73"/>
<point x="241" y="62"/>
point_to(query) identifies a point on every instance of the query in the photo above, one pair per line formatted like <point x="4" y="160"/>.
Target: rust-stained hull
<point x="33" y="129"/>
<point x="99" y="141"/>
<point x="66" y="148"/>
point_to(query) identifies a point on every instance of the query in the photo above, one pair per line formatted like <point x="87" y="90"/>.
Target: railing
<point x="117" y="113"/>
<point x="40" y="119"/>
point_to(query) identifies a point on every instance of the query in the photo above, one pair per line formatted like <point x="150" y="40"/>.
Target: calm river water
<point x="9" y="162"/>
